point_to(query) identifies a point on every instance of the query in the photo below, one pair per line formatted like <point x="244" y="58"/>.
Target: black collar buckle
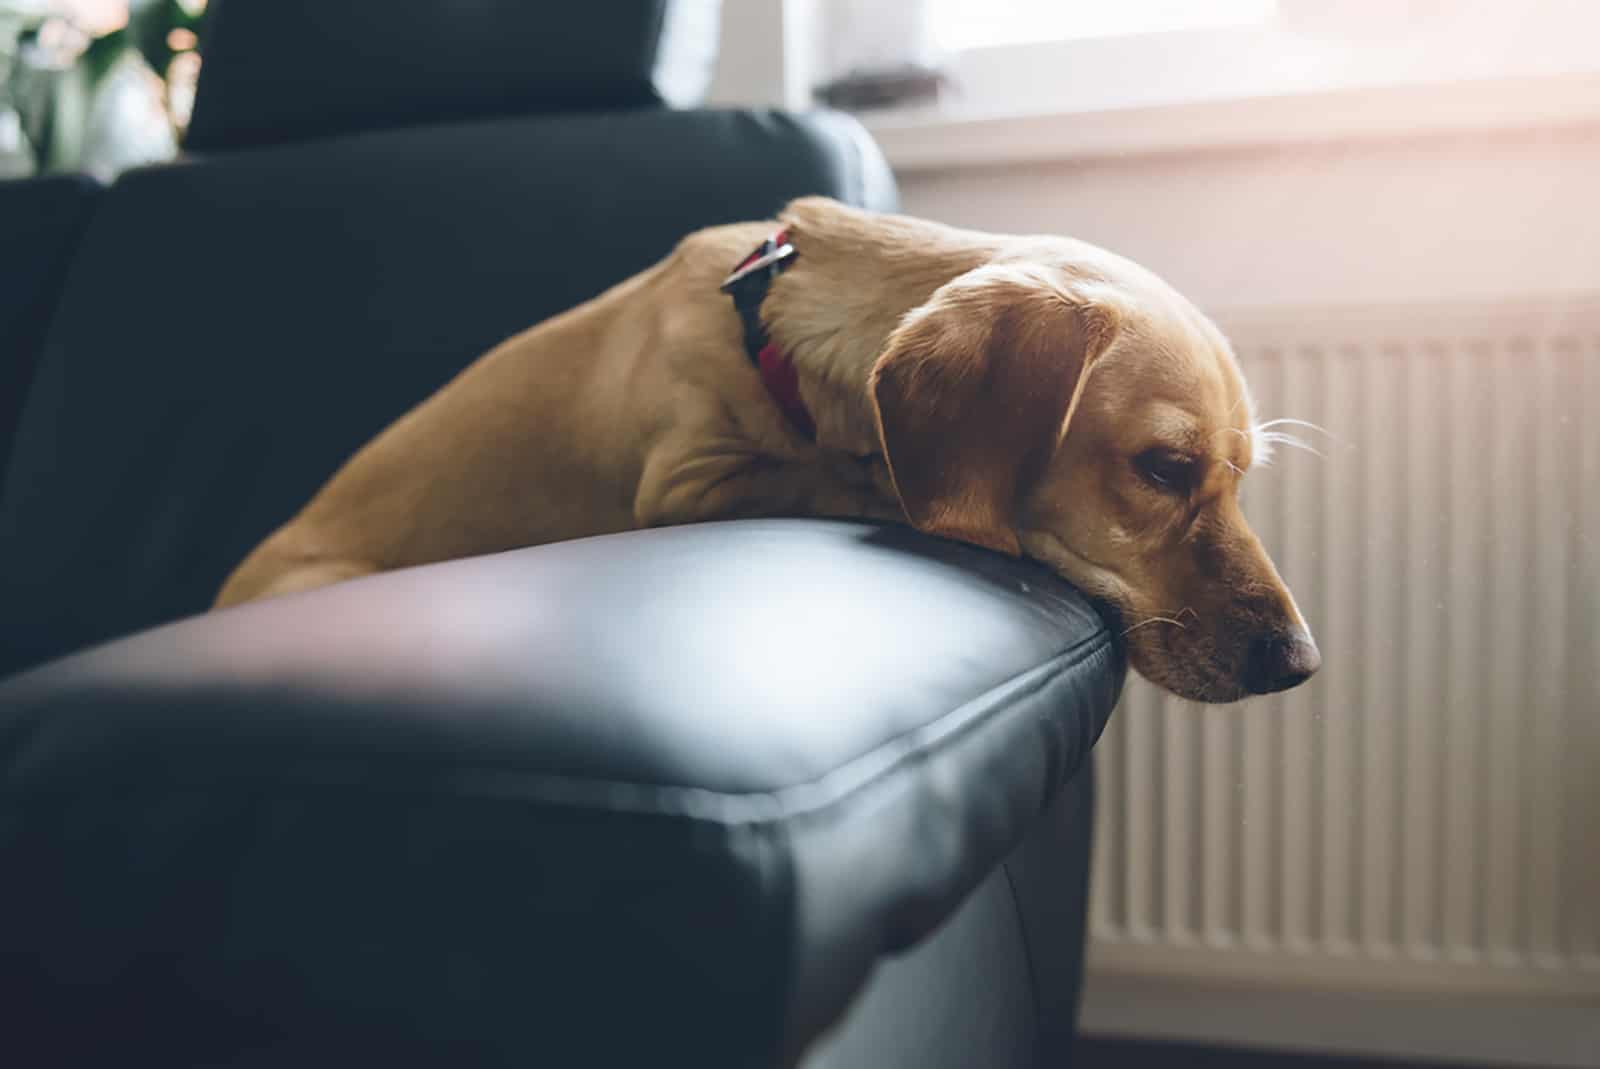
<point x="748" y="285"/>
<point x="769" y="258"/>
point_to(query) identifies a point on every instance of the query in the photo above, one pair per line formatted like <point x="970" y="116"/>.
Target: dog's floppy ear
<point x="974" y="389"/>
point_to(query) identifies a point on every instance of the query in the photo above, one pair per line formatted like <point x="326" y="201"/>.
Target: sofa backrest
<point x="236" y="324"/>
<point x="285" y="70"/>
<point x="41" y="221"/>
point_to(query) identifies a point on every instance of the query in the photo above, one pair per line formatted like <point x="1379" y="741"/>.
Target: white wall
<point x="1465" y="217"/>
<point x="767" y="54"/>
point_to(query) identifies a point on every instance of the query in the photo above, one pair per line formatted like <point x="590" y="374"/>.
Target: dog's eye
<point x="1173" y="472"/>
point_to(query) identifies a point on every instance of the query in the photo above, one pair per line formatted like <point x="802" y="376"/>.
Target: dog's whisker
<point x="1280" y="438"/>
<point x="1285" y="421"/>
<point x="1154" y="620"/>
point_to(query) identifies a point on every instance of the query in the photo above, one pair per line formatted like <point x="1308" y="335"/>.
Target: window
<point x="963" y="24"/>
<point x="1050" y="79"/>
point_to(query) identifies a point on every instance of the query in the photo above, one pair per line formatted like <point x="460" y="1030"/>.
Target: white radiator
<point x="1425" y="815"/>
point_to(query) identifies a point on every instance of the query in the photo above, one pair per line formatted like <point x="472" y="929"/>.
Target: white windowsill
<point x="921" y="142"/>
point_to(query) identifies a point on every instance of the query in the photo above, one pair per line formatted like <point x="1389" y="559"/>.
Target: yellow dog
<point x="1035" y="395"/>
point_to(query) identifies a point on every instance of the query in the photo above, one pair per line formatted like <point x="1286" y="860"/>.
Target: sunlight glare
<point x="964" y="24"/>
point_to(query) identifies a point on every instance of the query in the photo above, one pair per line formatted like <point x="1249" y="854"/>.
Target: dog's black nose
<point x="1280" y="660"/>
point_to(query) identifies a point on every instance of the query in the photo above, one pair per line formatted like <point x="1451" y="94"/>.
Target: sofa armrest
<point x="676" y="789"/>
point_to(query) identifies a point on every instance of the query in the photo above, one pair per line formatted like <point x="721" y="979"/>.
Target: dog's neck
<point x="854" y="278"/>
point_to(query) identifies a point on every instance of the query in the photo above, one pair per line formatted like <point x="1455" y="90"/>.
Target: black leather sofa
<point x="771" y="793"/>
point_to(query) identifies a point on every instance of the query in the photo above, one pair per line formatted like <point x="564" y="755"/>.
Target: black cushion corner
<point x="289" y="70"/>
<point x="710" y="773"/>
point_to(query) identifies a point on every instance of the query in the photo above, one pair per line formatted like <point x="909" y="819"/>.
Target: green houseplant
<point x="94" y="85"/>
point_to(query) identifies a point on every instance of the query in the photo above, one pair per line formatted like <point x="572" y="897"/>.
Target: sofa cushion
<point x="283" y="70"/>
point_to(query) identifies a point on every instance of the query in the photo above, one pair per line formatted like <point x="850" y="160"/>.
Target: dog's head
<point x="1064" y="404"/>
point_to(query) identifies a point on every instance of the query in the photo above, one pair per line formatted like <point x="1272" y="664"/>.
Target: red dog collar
<point x="748" y="285"/>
